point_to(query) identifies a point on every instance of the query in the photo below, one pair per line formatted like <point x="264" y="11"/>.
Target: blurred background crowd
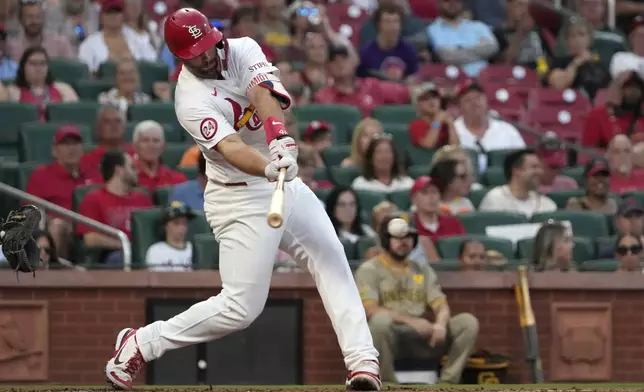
<point x="464" y="115"/>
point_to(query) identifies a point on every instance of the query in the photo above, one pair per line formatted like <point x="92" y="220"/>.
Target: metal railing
<point x="45" y="205"/>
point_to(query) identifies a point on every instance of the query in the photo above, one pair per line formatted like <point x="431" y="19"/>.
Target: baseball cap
<point x="112" y="5"/>
<point x="596" y="166"/>
<point x="315" y="128"/>
<point x="424" y="90"/>
<point x="629" y="206"/>
<point x="335" y="51"/>
<point x="67" y="131"/>
<point x="421" y="183"/>
<point x="177" y="209"/>
<point x="553" y="157"/>
<point x="468" y="86"/>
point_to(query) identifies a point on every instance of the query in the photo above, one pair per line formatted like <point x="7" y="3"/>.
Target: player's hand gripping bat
<point x="276" y="209"/>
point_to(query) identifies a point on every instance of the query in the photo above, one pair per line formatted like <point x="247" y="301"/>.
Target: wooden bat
<point x="275" y="216"/>
<point x="528" y="325"/>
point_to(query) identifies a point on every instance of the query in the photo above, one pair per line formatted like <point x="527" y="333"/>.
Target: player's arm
<point x="436" y="299"/>
<point x="269" y="97"/>
<point x="241" y="155"/>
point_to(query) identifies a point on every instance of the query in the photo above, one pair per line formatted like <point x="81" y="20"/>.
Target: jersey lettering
<point x="247" y="117"/>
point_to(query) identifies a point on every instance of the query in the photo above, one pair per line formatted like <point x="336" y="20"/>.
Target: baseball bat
<point x="276" y="209"/>
<point x="528" y="325"/>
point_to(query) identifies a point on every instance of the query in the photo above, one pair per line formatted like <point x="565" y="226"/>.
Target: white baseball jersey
<point x="212" y="109"/>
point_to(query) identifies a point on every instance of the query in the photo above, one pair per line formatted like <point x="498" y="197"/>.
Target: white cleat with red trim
<point x="127" y="362"/>
<point x="365" y="377"/>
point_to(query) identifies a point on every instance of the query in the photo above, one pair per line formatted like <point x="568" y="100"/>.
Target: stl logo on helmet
<point x="195" y="31"/>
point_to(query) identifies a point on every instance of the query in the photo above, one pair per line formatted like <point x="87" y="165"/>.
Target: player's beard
<point x="400" y="255"/>
<point x="210" y="73"/>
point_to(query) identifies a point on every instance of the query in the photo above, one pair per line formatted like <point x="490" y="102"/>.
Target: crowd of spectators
<point x="397" y="104"/>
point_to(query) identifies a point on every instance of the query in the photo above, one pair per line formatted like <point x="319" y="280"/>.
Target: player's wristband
<point x="274" y="128"/>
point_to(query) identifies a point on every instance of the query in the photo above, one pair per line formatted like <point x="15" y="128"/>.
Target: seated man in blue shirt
<point x="8" y="67"/>
<point x="190" y="192"/>
<point x="462" y="42"/>
<point x="389" y="55"/>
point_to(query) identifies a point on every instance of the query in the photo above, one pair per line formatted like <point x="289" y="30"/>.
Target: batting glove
<point x="278" y="140"/>
<point x="272" y="170"/>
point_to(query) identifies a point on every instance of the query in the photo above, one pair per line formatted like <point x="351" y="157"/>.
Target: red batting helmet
<point x="188" y="33"/>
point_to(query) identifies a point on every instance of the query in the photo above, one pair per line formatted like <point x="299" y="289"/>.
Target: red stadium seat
<point x="504" y="98"/>
<point x="442" y="75"/>
<point x="340" y="13"/>
<point x="509" y="74"/>
<point x="511" y="114"/>
<point x="522" y="92"/>
<point x="546" y="16"/>
<point x="568" y="125"/>
<point x="602" y="96"/>
<point x="424" y="9"/>
<point x="570" y="100"/>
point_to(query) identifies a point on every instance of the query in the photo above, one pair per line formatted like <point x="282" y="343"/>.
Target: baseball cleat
<point x="365" y="377"/>
<point x="127" y="362"/>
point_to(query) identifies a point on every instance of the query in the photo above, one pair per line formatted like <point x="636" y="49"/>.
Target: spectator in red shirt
<point x="110" y="135"/>
<point x="56" y="181"/>
<point x="365" y="93"/>
<point x="430" y="223"/>
<point x="434" y="126"/>
<point x="553" y="159"/>
<point x="148" y="143"/>
<point x="622" y="116"/>
<point x="318" y="137"/>
<point x="624" y="178"/>
<point x="112" y="204"/>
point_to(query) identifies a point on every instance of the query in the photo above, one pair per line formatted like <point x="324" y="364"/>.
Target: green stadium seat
<point x="350" y="250"/>
<point x="162" y="195"/>
<point x="323" y="194"/>
<point x="152" y="72"/>
<point x="205" y="252"/>
<point x="343" y="118"/>
<point x="364" y="244"/>
<point x="14" y="174"/>
<point x="497" y="157"/>
<point x="333" y="156"/>
<point x="79" y="194"/>
<point x="418" y="170"/>
<point x="584" y="223"/>
<point x="368" y="199"/>
<point x="400" y="136"/>
<point x="449" y="247"/>
<point x="171" y="135"/>
<point x="395" y="114"/>
<point x="605" y="245"/>
<point x="344" y="175"/>
<point x="68" y="71"/>
<point x="602" y="265"/>
<point x="190" y="172"/>
<point x="576" y="173"/>
<point x="446" y="265"/>
<point x="162" y="112"/>
<point x="73" y="112"/>
<point x="321" y="174"/>
<point x="420" y="156"/>
<point x="584" y="249"/>
<point x="561" y="197"/>
<point x="146" y="230"/>
<point x="494" y="176"/>
<point x="90" y="89"/>
<point x="401" y="199"/>
<point x="13" y="115"/>
<point x="477" y="222"/>
<point x="173" y="153"/>
<point x="476" y="196"/>
<point x="9" y="152"/>
<point x="637" y="195"/>
<point x="35" y="141"/>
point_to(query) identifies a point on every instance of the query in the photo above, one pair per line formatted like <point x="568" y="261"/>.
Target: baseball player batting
<point x="230" y="99"/>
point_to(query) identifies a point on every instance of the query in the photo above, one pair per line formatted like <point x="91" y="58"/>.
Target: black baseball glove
<point x="18" y="245"/>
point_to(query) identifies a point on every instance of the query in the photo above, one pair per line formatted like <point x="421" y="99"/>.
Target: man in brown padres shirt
<point x="397" y="293"/>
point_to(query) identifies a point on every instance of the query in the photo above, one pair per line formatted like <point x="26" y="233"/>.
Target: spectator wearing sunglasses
<point x="434" y="127"/>
<point x="451" y="179"/>
<point x="382" y="169"/>
<point x="628" y="251"/>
